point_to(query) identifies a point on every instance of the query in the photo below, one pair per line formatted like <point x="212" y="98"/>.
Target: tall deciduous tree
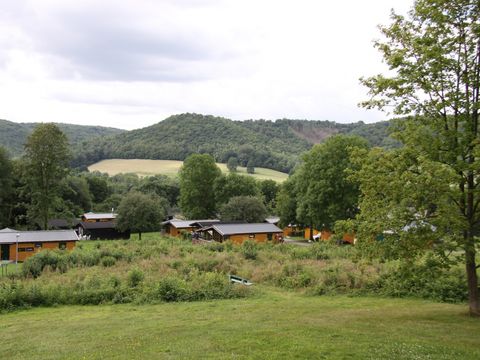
<point x="325" y="195"/>
<point x="139" y="212"/>
<point x="244" y="208"/>
<point x="434" y="58"/>
<point x="232" y="185"/>
<point x="47" y="155"/>
<point x="197" y="179"/>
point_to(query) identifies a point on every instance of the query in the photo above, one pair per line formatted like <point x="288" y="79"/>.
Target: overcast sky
<point x="132" y="63"/>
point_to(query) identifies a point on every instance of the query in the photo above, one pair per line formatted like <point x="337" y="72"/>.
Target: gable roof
<point x="98" y="216"/>
<point x="7" y="230"/>
<point x="272" y="220"/>
<point x="254" y="228"/>
<point x="37" y="236"/>
<point x="182" y="224"/>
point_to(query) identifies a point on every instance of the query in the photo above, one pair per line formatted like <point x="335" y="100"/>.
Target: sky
<point x="132" y="63"/>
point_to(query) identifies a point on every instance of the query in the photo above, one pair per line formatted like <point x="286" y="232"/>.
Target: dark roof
<point x="182" y="224"/>
<point x="97" y="225"/>
<point x="232" y="229"/>
<point x="10" y="237"/>
<point x="59" y="223"/>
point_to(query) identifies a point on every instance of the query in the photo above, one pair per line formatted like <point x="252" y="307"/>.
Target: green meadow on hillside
<point x="170" y="167"/>
<point x="272" y="325"/>
<point x="163" y="297"/>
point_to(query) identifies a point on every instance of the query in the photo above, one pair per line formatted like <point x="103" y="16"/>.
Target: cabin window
<point x="28" y="249"/>
<point x="251" y="236"/>
<point x="269" y="236"/>
<point x="62" y="245"/>
<point x="21" y="249"/>
<point x="38" y="245"/>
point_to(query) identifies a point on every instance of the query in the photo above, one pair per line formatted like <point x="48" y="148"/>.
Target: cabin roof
<point x="254" y="228"/>
<point x="182" y="224"/>
<point x="98" y="216"/>
<point x="10" y="237"/>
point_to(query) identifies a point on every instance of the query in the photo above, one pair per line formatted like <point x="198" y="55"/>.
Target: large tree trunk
<point x="139" y="235"/>
<point x="472" y="278"/>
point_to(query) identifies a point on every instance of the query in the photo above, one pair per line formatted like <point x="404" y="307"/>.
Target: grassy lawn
<point x="274" y="324"/>
<point x="170" y="167"/>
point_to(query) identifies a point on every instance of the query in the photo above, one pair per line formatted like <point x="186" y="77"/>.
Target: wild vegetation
<point x="157" y="269"/>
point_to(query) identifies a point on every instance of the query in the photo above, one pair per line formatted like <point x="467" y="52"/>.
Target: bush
<point x="249" y="250"/>
<point x="108" y="261"/>
<point x="171" y="289"/>
<point x="135" y="277"/>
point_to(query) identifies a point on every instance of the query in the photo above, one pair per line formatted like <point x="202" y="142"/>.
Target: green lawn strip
<point x="275" y="324"/>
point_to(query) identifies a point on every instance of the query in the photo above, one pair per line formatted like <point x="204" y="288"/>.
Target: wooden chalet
<point x="100" y="230"/>
<point x="95" y="226"/>
<point x="238" y="233"/>
<point x="31" y="242"/>
<point x="175" y="227"/>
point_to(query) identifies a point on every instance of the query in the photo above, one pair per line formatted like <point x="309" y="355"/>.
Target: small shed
<point x="238" y="233"/>
<point x="31" y="242"/>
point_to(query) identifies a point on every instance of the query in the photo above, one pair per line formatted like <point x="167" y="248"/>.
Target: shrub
<point x="135" y="277"/>
<point x="249" y="250"/>
<point x="171" y="289"/>
<point x="108" y="261"/>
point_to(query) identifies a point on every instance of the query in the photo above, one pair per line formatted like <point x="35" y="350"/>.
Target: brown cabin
<point x="238" y="233"/>
<point x="175" y="227"/>
<point x="31" y="242"/>
<point x="98" y="217"/>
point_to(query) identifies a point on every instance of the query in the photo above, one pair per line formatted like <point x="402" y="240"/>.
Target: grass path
<point x="170" y="168"/>
<point x="273" y="325"/>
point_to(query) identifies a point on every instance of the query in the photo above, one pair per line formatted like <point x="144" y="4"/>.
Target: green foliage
<point x="324" y="193"/>
<point x="6" y="188"/>
<point x="433" y="55"/>
<point x="244" y="208"/>
<point x="138" y="212"/>
<point x="232" y="185"/>
<point x="249" y="250"/>
<point x="46" y="155"/>
<point x="135" y="277"/>
<point x="250" y="167"/>
<point x="232" y="164"/>
<point x="197" y="179"/>
<point x="287" y="202"/>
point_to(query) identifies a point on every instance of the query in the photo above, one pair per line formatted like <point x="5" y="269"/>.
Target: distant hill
<point x="269" y="144"/>
<point x="13" y="135"/>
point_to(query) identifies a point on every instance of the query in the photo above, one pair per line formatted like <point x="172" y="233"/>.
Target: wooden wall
<point x="23" y="255"/>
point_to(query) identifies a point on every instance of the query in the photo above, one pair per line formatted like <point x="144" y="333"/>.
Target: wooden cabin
<point x="238" y="233"/>
<point x="105" y="230"/>
<point x="326" y="235"/>
<point x="98" y="217"/>
<point x="31" y="242"/>
<point x="175" y="227"/>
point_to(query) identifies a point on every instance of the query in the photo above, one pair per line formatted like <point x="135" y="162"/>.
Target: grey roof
<point x="10" y="237"/>
<point x="98" y="216"/>
<point x="232" y="229"/>
<point x="182" y="224"/>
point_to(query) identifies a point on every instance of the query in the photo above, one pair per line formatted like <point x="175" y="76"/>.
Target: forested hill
<point x="13" y="135"/>
<point x="275" y="145"/>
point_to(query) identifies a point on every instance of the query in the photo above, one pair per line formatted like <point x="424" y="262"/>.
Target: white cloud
<point x="132" y="63"/>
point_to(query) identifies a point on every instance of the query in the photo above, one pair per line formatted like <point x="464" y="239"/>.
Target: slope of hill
<point x="143" y="167"/>
<point x="275" y="145"/>
<point x="13" y="135"/>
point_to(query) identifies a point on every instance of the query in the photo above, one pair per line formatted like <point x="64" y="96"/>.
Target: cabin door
<point x="5" y="252"/>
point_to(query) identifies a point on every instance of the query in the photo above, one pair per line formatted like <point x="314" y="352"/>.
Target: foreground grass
<point x="143" y="167"/>
<point x="274" y="324"/>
